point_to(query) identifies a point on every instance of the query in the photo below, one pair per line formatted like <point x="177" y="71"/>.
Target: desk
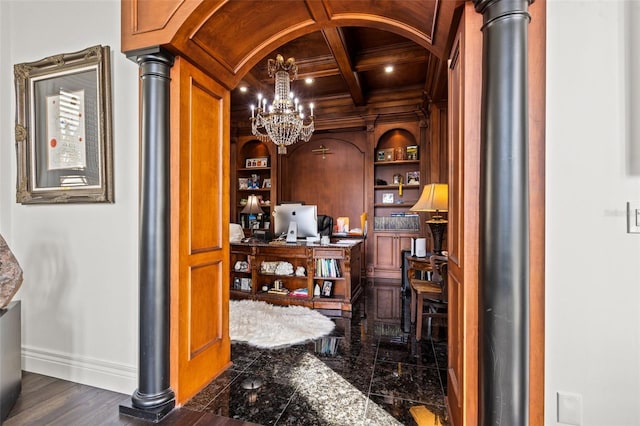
<point x="336" y="266"/>
<point x="427" y="287"/>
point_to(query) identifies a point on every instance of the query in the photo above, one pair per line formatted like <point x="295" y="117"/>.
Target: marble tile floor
<point x="365" y="373"/>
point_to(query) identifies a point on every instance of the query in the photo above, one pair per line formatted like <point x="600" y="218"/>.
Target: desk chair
<point x="428" y="295"/>
<point x="325" y="225"/>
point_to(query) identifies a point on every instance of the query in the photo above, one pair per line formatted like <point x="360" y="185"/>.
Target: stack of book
<point x="300" y="292"/>
<point x="327" y="268"/>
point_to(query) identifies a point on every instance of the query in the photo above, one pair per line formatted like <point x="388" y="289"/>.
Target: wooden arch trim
<point x="210" y="34"/>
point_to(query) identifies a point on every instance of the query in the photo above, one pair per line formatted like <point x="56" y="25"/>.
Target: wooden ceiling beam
<point x="396" y="55"/>
<point x="338" y="46"/>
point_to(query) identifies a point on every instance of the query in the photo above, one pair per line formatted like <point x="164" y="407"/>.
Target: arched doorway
<point x="188" y="30"/>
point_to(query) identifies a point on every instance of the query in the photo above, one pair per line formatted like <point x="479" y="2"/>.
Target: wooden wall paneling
<point x="200" y="344"/>
<point x="438" y="144"/>
<point x="370" y="135"/>
<point x="336" y="183"/>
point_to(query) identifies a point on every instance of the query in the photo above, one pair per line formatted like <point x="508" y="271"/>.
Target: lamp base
<point x="437" y="230"/>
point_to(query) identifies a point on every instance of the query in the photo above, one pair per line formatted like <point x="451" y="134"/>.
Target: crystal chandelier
<point x="282" y="122"/>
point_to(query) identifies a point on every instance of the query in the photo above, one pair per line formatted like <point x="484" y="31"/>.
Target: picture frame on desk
<point x="327" y="289"/>
<point x="266" y="183"/>
<point x="243" y="183"/>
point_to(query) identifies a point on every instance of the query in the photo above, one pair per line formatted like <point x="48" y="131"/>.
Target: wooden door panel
<point x="384" y="250"/>
<point x="465" y="82"/>
<point x="206" y="169"/>
<point x="404" y="243"/>
<point x="200" y="348"/>
<point x="205" y="330"/>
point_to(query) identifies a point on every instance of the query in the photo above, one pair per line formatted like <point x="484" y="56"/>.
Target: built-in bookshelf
<point x="397" y="186"/>
<point x="253" y="176"/>
<point x="397" y="181"/>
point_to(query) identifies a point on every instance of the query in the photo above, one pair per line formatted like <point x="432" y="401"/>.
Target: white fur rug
<point x="264" y="325"/>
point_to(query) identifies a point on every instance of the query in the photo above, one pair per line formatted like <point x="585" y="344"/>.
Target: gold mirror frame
<point x="63" y="128"/>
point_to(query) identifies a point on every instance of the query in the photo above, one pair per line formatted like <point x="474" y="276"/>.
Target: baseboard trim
<point x="102" y="374"/>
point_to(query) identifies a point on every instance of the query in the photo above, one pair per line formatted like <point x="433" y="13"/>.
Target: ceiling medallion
<point x="283" y="121"/>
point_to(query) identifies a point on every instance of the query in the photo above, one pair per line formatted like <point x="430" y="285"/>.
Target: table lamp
<point x="252" y="208"/>
<point x="434" y="198"/>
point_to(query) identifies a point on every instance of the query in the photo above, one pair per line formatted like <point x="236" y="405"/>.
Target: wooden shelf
<point x="391" y="187"/>
<point x="255" y="190"/>
<point x="396" y="162"/>
<point x="251" y="169"/>
<point x="394" y="205"/>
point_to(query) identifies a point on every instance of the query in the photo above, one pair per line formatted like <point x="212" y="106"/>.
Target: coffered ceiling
<point x="348" y="71"/>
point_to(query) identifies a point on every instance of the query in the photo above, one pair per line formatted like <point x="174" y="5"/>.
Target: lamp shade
<point x="434" y="198"/>
<point x="253" y="205"/>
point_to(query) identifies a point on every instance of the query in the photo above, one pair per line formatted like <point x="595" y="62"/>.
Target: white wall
<point x="593" y="265"/>
<point x="80" y="290"/>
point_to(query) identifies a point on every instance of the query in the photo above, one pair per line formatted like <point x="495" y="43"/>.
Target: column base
<point x="155" y="414"/>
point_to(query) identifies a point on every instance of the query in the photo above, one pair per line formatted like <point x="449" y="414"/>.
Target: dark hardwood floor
<point x="49" y="401"/>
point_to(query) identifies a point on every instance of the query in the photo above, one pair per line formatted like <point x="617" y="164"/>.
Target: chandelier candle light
<point x="282" y="122"/>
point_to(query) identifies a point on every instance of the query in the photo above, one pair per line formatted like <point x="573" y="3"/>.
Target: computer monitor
<point x="304" y="216"/>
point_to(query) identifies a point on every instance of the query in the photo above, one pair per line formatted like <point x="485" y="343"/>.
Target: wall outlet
<point x="569" y="408"/>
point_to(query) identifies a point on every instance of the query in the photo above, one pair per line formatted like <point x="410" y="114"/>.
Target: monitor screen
<point x="305" y="217"/>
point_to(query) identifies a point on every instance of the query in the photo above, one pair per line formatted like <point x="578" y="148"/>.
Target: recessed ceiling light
<point x="243" y="89"/>
<point x="308" y="80"/>
<point x="388" y="69"/>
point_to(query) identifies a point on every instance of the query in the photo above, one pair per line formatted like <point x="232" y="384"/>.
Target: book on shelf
<point x="404" y="214"/>
<point x="300" y="292"/>
<point x="328" y="268"/>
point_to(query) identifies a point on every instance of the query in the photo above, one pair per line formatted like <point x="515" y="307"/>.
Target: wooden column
<point x="504" y="215"/>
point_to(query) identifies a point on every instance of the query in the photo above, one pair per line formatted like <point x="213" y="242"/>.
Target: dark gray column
<point x="504" y="219"/>
<point x="154" y="398"/>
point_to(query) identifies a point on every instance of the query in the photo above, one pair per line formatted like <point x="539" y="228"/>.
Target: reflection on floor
<point x="364" y="373"/>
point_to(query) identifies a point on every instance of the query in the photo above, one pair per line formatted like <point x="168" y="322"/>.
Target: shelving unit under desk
<point x="257" y="262"/>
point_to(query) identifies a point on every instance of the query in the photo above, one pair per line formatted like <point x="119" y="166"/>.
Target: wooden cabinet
<point x="287" y="274"/>
<point x="388" y="248"/>
<point x="254" y="165"/>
